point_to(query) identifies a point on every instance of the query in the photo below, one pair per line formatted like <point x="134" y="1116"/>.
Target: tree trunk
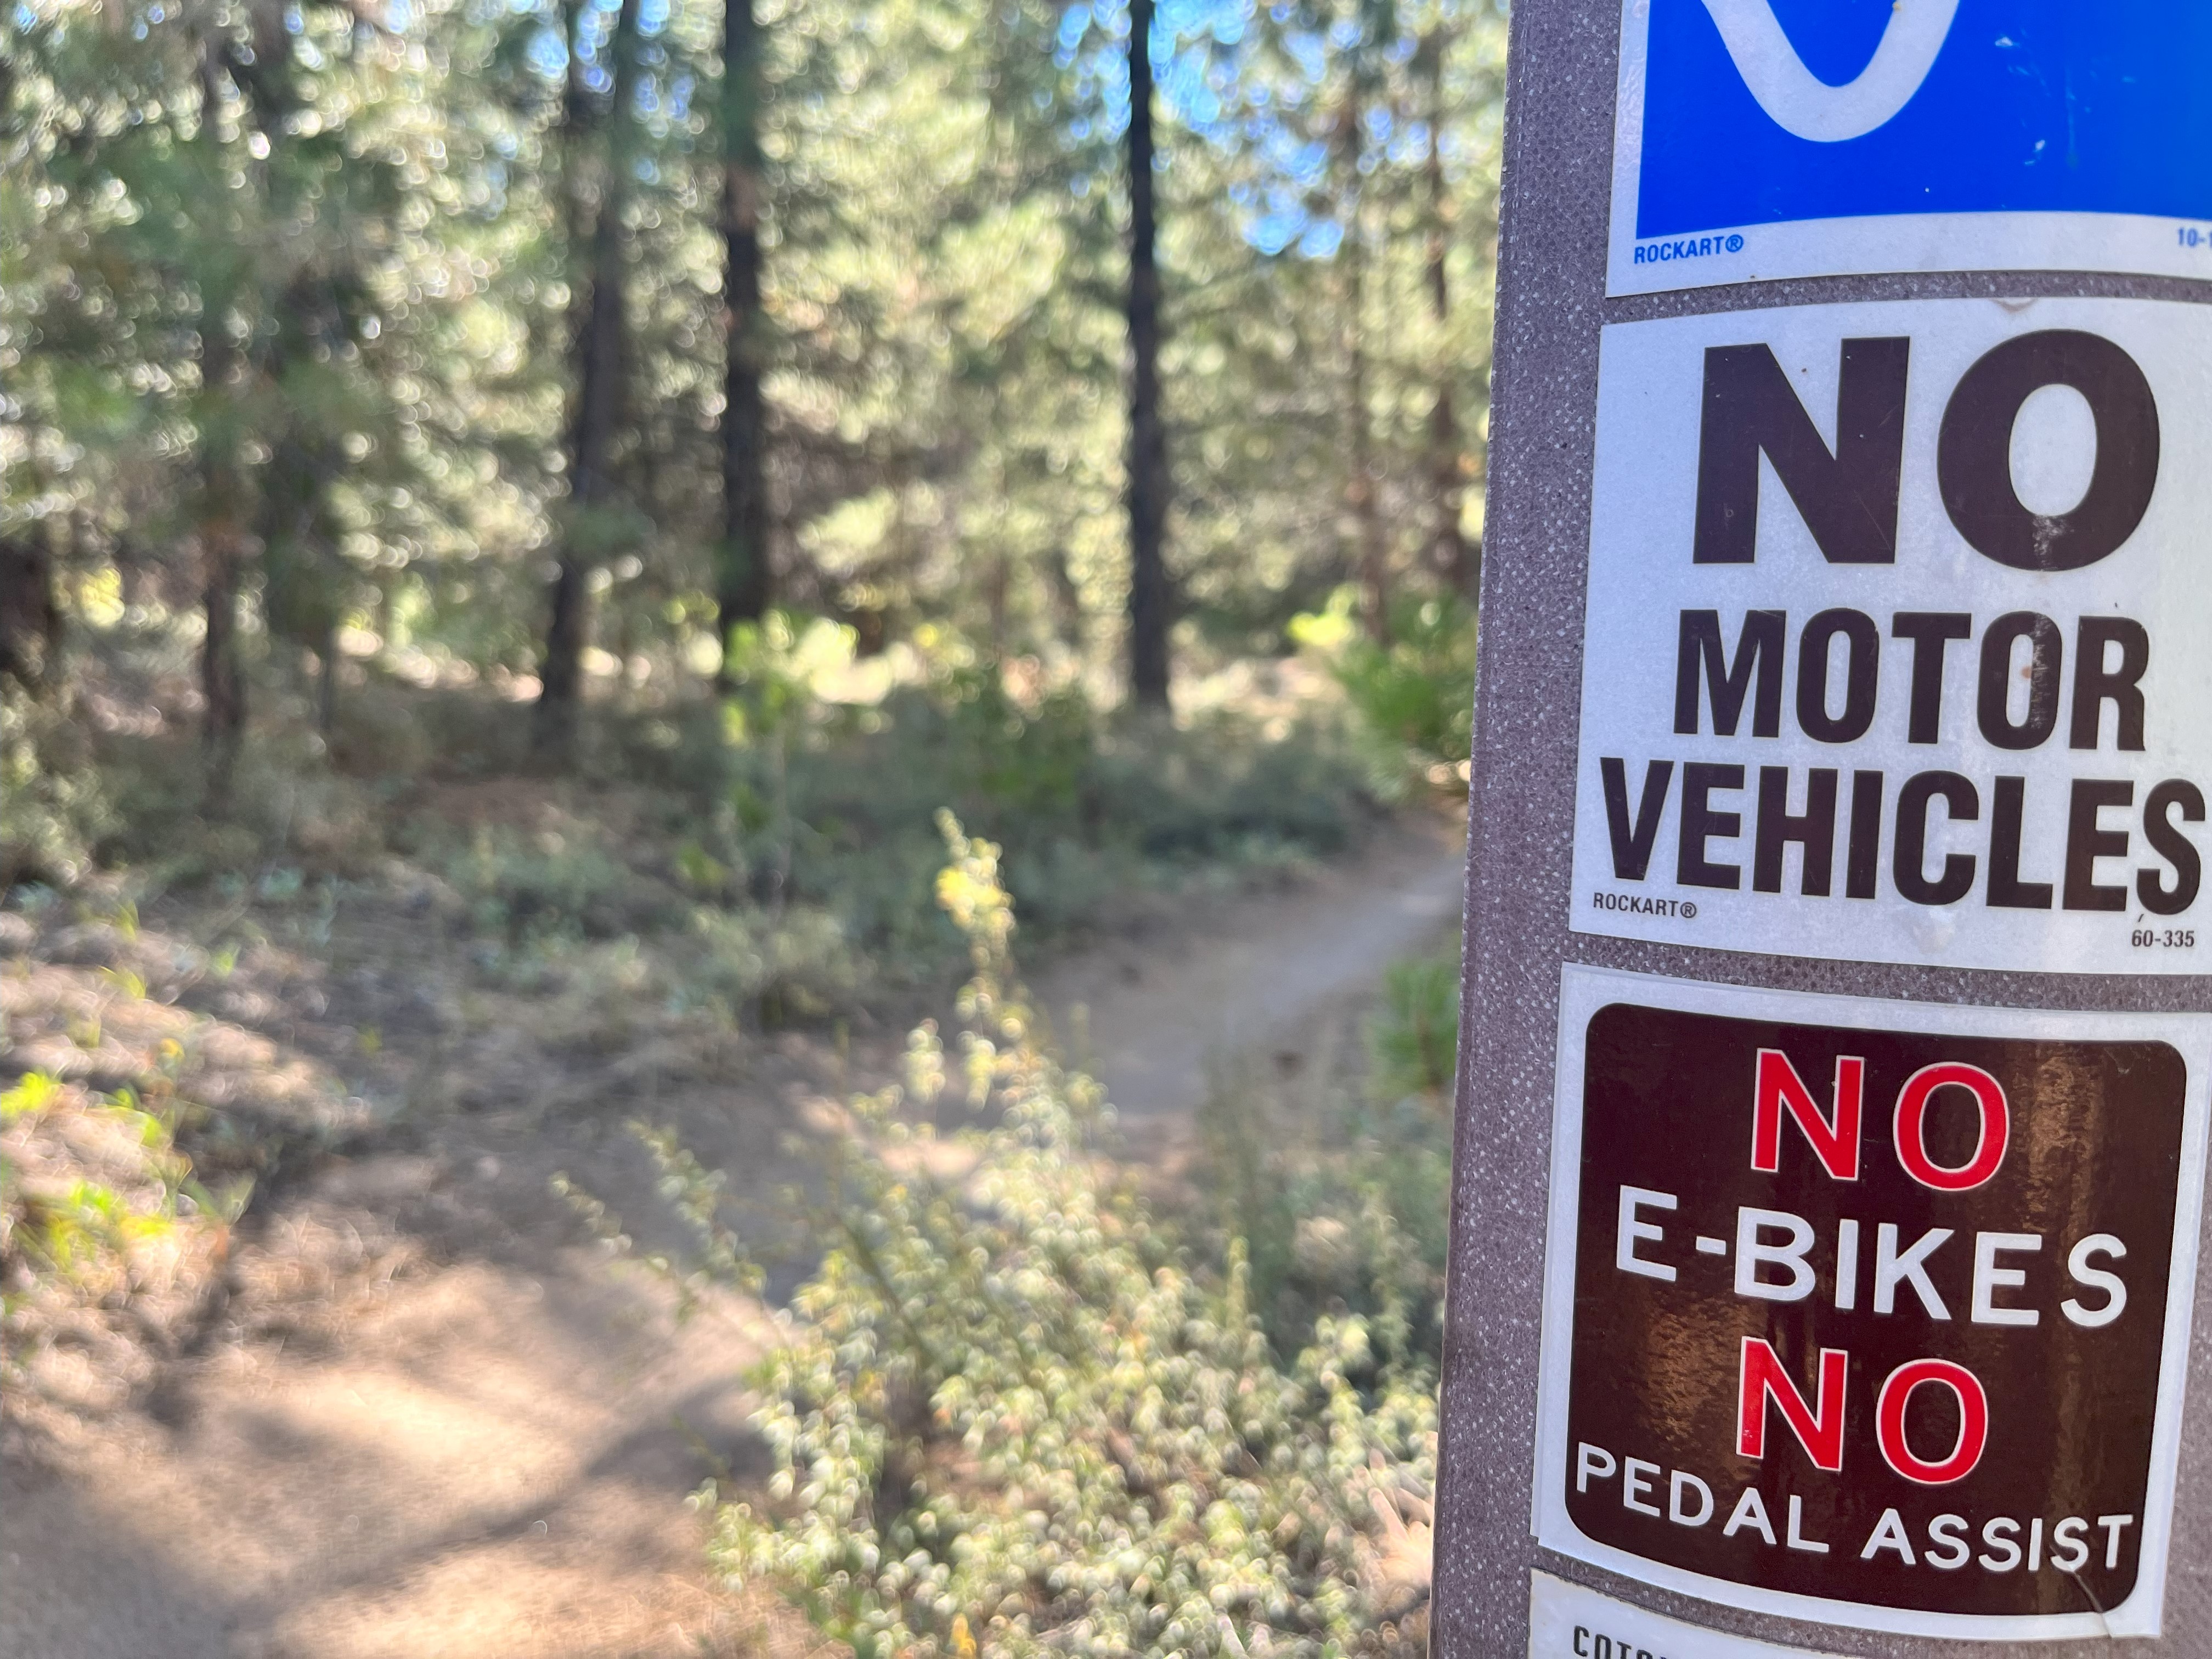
<point x="743" y="586"/>
<point x="305" y="579"/>
<point x="326" y="683"/>
<point x="1149" y="597"/>
<point x="599" y="389"/>
<point x="1453" y="559"/>
<point x="1066" y="598"/>
<point x="222" y="560"/>
<point x="30" y="614"/>
<point x="221" y="528"/>
<point x="1361" y="498"/>
<point x="1361" y="495"/>
<point x="222" y="548"/>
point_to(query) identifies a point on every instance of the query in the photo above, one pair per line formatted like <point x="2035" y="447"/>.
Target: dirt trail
<point x="482" y="1447"/>
<point x="486" y="1464"/>
<point x="1252" y="977"/>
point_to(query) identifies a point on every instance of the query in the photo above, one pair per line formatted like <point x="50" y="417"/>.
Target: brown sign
<point x="1875" y="1317"/>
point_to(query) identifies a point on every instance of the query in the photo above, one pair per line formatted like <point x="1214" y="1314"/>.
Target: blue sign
<point x="1764" y="139"/>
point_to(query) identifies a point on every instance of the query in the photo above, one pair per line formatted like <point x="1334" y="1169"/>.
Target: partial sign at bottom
<point x="1566" y="1621"/>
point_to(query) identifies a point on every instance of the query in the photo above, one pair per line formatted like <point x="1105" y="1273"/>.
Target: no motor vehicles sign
<point x="1898" y="645"/>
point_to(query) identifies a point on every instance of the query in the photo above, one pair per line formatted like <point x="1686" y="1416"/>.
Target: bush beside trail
<point x="1014" y="1416"/>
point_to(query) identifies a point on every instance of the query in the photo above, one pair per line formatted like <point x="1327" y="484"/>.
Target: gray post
<point x="1838" y="816"/>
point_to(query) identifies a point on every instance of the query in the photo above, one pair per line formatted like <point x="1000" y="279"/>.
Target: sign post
<point x="1837" y="1057"/>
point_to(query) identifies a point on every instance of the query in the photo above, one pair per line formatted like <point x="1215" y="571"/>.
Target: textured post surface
<point x="1551" y="305"/>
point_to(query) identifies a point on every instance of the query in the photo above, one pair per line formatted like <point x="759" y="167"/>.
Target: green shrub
<point x="284" y="805"/>
<point x="1011" y="1417"/>
<point x="1096" y="808"/>
<point x="1412" y="1040"/>
<point x="53" y="803"/>
<point x="800" y="798"/>
<point x="1346" y="1217"/>
<point x="781" y="967"/>
<point x="1344" y="1201"/>
<point x="555" y="883"/>
<point x="1413" y="693"/>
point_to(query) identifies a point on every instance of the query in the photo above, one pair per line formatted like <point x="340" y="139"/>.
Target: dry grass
<point x="134" y="1132"/>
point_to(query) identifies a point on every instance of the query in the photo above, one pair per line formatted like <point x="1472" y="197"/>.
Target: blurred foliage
<point x="90" y="1234"/>
<point x="1413" y="1039"/>
<point x="1341" y="1199"/>
<point x="1011" y="1416"/>
<point x="831" y="803"/>
<point x="1413" y="690"/>
<point x="1099" y="812"/>
<point x="54" y="805"/>
<point x="295" y="287"/>
<point x="99" y="1208"/>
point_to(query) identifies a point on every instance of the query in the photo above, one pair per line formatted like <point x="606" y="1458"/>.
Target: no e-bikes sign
<point x="1870" y="1312"/>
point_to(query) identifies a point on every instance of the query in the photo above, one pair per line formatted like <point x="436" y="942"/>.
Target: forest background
<point x="534" y="346"/>
<point x="562" y="493"/>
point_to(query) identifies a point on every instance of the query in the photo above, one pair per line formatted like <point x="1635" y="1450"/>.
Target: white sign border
<point x="1584" y="990"/>
<point x="1553" y="1601"/>
<point x="1958" y="935"/>
<point x="1875" y="245"/>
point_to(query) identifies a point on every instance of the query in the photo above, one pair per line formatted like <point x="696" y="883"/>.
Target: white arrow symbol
<point x="1803" y="104"/>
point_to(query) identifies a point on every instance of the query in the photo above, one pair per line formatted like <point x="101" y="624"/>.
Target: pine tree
<point x="601" y="352"/>
<point x="743" y="582"/>
<point x="1150" y="596"/>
